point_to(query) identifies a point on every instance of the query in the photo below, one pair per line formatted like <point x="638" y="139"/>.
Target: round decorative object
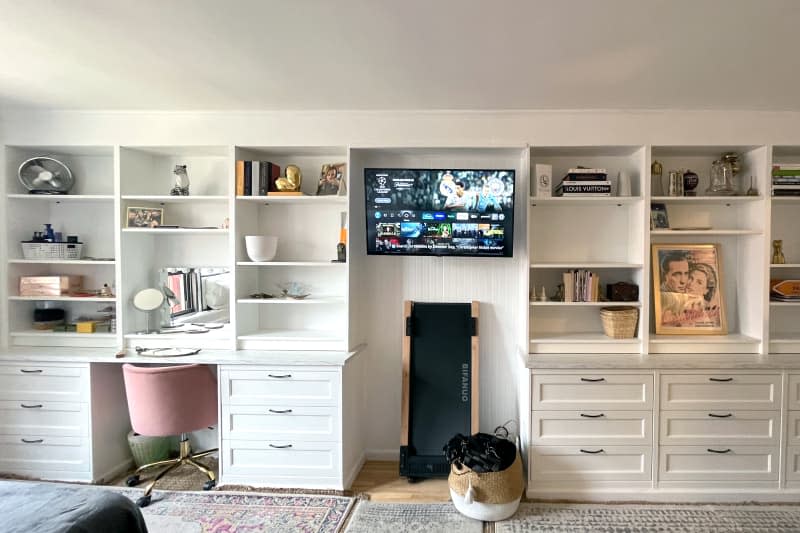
<point x="690" y="182"/>
<point x="292" y="181"/>
<point x="45" y="175"/>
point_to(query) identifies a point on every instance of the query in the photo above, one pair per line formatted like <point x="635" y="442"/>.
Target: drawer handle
<point x="31" y="371"/>
<point x="593" y="380"/>
<point x="281" y="447"/>
<point x="280" y="411"/>
<point x="727" y="450"/>
<point x="281" y="376"/>
<point x="720" y="416"/>
<point x="37" y="406"/>
<point x="37" y="441"/>
<point x="584" y="415"/>
<point x="601" y="450"/>
<point x="720" y="380"/>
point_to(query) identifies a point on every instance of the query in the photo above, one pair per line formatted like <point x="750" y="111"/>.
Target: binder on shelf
<point x="240" y="177"/>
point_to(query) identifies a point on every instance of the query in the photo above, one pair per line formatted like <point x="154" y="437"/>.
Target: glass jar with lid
<point x="722" y="182"/>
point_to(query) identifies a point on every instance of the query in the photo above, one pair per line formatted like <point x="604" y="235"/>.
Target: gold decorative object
<point x="777" y="252"/>
<point x="291" y="181"/>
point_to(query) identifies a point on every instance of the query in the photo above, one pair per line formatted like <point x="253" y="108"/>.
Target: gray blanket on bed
<point x="29" y="507"/>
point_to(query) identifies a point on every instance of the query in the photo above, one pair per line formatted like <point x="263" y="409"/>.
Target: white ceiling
<point x="399" y="54"/>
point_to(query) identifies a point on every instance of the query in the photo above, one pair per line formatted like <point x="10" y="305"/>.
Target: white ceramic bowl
<point x="261" y="247"/>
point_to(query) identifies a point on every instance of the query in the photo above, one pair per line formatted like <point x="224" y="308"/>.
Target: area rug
<point x="619" y="518"/>
<point x="217" y="512"/>
<point x="375" y="517"/>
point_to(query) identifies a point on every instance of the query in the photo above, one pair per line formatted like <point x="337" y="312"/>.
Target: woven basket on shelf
<point x="619" y="322"/>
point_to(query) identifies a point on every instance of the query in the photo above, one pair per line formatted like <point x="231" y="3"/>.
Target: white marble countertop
<point x="663" y="361"/>
<point x="223" y="357"/>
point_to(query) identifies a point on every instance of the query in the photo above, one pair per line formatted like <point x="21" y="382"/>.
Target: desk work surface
<point x="233" y="357"/>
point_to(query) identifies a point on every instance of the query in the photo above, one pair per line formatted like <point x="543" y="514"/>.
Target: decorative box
<point x="49" y="285"/>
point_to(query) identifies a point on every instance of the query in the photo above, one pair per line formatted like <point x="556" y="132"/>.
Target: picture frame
<point x="658" y="216"/>
<point x="332" y="180"/>
<point x="688" y="290"/>
<point x="144" y="217"/>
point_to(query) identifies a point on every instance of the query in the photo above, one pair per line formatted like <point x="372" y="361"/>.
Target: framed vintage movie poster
<point x="687" y="289"/>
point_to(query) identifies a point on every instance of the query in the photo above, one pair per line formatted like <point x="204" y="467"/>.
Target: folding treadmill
<point x="440" y="384"/>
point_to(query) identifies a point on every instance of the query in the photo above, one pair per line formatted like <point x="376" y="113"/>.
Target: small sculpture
<point x="105" y="292"/>
<point x="181" y="187"/>
<point x="777" y="252"/>
<point x="543" y="295"/>
<point x="291" y="182"/>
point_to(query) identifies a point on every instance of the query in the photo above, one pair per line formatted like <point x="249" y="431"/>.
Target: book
<point x="248" y="178"/>
<point x="581" y="170"/>
<point x="599" y="188"/>
<point x="263" y="177"/>
<point x="256" y="171"/>
<point x="285" y="193"/>
<point x="581" y="194"/>
<point x="239" y="177"/>
<point x="785" y="172"/>
<point x="585" y="177"/>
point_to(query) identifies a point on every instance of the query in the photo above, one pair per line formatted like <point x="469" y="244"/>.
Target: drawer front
<point x="38" y="382"/>
<point x="721" y="391"/>
<point x="288" y="386"/>
<point x="793" y="463"/>
<point x="793" y="428"/>
<point x="593" y="391"/>
<point x="794" y="391"/>
<point x="44" y="418"/>
<point x="44" y="453"/>
<point x="576" y="463"/>
<point x="757" y="428"/>
<point x="698" y="463"/>
<point x="272" y="422"/>
<point x="282" y="458"/>
<point x="561" y="428"/>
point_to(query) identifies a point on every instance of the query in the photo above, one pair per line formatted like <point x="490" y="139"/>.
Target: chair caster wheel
<point x="132" y="481"/>
<point x="210" y="484"/>
<point x="414" y="479"/>
<point x="144" y="501"/>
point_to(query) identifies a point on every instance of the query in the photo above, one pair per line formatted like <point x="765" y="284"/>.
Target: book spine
<point x="263" y="180"/>
<point x="592" y="183"/>
<point x="786" y="180"/>
<point x="239" y="178"/>
<point x="585" y="177"/>
<point x="786" y="172"/>
<point x="248" y="178"/>
<point x="580" y="194"/>
<point x="275" y="173"/>
<point x="256" y="170"/>
<point x="587" y="171"/>
<point x="569" y="188"/>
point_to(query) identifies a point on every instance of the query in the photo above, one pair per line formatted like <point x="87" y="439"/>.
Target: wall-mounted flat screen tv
<point x="446" y="212"/>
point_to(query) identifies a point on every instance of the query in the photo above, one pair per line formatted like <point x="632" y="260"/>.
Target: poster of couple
<point x="687" y="289"/>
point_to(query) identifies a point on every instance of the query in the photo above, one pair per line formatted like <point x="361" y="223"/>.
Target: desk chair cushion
<point x="170" y="400"/>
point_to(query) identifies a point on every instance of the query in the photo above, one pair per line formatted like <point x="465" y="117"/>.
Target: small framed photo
<point x="145" y="217"/>
<point x="658" y="216"/>
<point x="332" y="180"/>
<point x="688" y="289"/>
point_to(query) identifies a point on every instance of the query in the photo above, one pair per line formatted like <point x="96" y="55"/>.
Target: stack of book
<point x="584" y="182"/>
<point x="581" y="286"/>
<point x="785" y="180"/>
<point x="256" y="178"/>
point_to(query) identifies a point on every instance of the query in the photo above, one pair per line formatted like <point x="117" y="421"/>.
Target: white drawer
<point x="560" y="428"/>
<point x="280" y="458"/>
<point x="55" y="419"/>
<point x="757" y="428"/>
<point x="793" y="463"/>
<point x="794" y="391"/>
<point x="721" y="391"/>
<point x="280" y="422"/>
<point x="273" y="386"/>
<point x="20" y="454"/>
<point x="39" y="382"/>
<point x="793" y="428"/>
<point x="576" y="463"/>
<point x="699" y="463"/>
<point x="596" y="391"/>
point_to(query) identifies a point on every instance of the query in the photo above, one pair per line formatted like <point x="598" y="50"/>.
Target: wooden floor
<point x="382" y="482"/>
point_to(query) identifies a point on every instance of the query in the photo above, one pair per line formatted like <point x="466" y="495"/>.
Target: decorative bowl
<point x="261" y="247"/>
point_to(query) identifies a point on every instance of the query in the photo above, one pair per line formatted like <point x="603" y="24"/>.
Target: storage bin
<point x="146" y="450"/>
<point x="488" y="496"/>
<point x="52" y="250"/>
<point x="619" y="322"/>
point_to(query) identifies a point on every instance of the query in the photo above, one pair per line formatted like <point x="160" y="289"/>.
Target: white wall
<point x="496" y="283"/>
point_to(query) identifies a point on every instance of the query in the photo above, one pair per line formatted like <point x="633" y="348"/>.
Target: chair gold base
<point x="185" y="457"/>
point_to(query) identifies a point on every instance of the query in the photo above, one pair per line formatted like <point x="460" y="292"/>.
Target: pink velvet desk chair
<point x="171" y="400"/>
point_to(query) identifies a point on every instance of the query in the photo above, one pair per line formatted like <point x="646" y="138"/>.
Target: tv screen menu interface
<point x="439" y="212"/>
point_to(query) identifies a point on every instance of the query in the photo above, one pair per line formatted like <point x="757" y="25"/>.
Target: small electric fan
<point x="45" y="175"/>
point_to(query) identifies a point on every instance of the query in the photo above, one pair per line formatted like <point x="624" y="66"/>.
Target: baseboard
<point x="384" y="455"/>
<point x="351" y="476"/>
<point x="115" y="472"/>
<point x="662" y="496"/>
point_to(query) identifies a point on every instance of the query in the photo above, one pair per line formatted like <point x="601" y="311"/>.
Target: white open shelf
<point x="264" y="301"/>
<point x="585" y="264"/>
<point x="62" y="298"/>
<point x="709" y="232"/>
<point x="585" y="304"/>
<point x="63" y="197"/>
<point x="84" y="262"/>
<point x="305" y="199"/>
<point x="292" y="339"/>
<point x="289" y="263"/>
<point x="35" y="337"/>
<point x="584" y="200"/>
<point x="731" y="343"/>
<point x="785" y="265"/>
<point x="706" y="200"/>
<point x="167" y="199"/>
<point x="177" y="231"/>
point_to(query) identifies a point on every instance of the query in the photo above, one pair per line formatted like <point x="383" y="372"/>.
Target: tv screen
<point x="439" y="212"/>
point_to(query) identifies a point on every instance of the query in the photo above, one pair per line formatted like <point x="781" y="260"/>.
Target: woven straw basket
<point x="489" y="496"/>
<point x="619" y="322"/>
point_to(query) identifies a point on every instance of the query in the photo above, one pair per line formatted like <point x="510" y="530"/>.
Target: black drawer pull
<point x="281" y="447"/>
<point x="727" y="450"/>
<point x="720" y="416"/>
<point x="37" y="441"/>
<point x="37" y="406"/>
<point x="280" y="377"/>
<point x="31" y="371"/>
<point x="593" y="380"/>
<point x="720" y="380"/>
<point x="601" y="450"/>
<point x="280" y="411"/>
<point x="584" y="415"/>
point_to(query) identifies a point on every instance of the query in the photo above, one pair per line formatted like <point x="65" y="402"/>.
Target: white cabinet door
<point x="792" y="463"/>
<point x="761" y="428"/>
<point x="794" y="391"/>
<point x="289" y="386"/>
<point x="720" y="391"/>
<point x="592" y="427"/>
<point x="280" y="422"/>
<point x="595" y="391"/>
<point x="718" y="463"/>
<point x="577" y="463"/>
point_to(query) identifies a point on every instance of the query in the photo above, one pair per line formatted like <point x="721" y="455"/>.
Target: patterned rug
<point x="624" y="518"/>
<point x="216" y="512"/>
<point x="375" y="517"/>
